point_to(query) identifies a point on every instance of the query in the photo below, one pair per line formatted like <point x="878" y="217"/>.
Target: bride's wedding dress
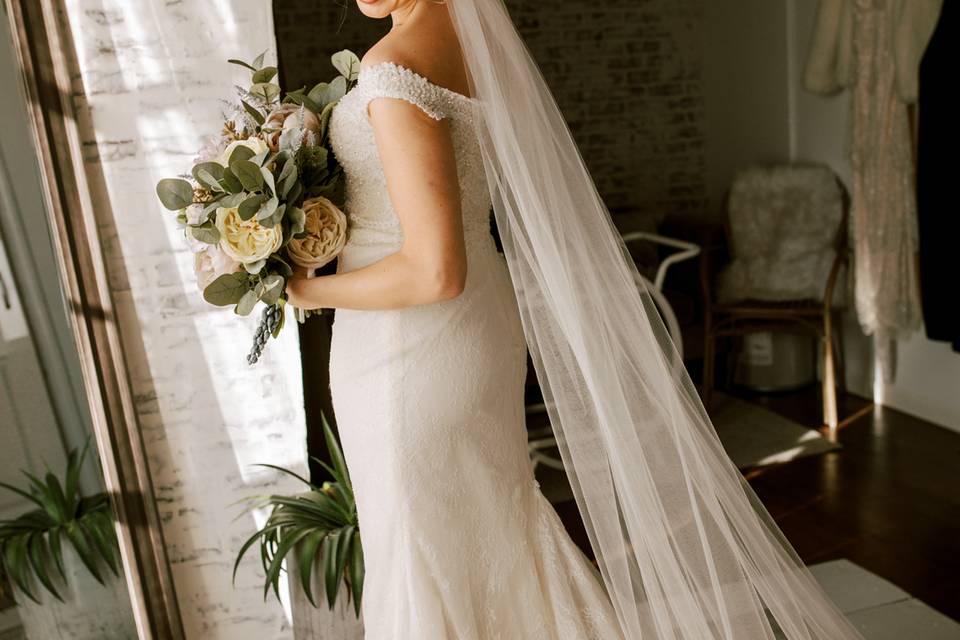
<point x="459" y="542"/>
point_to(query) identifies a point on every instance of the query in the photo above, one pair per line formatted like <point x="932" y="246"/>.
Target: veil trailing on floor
<point x="686" y="550"/>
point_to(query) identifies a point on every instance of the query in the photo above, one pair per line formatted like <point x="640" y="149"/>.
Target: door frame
<point x="51" y="81"/>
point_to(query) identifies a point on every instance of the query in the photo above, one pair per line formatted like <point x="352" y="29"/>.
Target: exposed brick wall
<point x="625" y="73"/>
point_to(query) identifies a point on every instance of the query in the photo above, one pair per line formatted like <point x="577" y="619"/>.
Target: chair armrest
<point x="686" y="251"/>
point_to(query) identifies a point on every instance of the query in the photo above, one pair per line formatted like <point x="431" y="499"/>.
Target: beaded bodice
<point x="370" y="215"/>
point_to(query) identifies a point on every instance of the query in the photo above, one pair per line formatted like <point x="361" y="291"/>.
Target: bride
<point x="449" y="117"/>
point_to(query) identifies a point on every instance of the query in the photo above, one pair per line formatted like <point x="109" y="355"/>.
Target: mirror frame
<point x="51" y="80"/>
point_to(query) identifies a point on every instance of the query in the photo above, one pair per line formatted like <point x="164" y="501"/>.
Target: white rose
<point x="246" y="241"/>
<point x="211" y="263"/>
<point x="256" y="145"/>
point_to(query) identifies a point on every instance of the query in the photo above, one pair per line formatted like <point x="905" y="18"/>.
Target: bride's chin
<point x="377" y="8"/>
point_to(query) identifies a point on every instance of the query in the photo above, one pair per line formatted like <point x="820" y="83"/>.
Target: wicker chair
<point x="816" y="314"/>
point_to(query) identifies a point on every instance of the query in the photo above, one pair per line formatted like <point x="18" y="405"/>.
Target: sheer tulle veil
<point x="685" y="549"/>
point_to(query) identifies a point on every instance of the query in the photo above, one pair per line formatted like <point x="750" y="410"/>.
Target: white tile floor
<point x="881" y="610"/>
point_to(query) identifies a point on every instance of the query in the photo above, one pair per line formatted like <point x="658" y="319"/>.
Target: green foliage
<point x="318" y="530"/>
<point x="227" y="289"/>
<point x="269" y="186"/>
<point x="31" y="545"/>
<point x="175" y="193"/>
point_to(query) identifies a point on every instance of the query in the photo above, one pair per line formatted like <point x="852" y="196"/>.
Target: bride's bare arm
<point x="418" y="161"/>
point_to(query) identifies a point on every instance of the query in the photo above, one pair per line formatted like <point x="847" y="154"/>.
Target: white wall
<point x="757" y="110"/>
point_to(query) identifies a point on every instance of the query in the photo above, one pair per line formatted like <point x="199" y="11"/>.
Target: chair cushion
<point x="784" y="221"/>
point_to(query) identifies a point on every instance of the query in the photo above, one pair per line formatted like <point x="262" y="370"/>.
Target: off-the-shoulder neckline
<point x="418" y="77"/>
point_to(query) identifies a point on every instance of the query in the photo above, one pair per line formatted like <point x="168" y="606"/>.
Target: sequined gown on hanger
<point x="459" y="542"/>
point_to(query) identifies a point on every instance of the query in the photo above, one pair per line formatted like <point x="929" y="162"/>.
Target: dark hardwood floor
<point x="889" y="500"/>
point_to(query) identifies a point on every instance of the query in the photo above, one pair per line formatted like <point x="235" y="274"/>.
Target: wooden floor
<point x="889" y="500"/>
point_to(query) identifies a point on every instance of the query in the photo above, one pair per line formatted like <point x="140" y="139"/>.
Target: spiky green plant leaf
<point x="31" y="544"/>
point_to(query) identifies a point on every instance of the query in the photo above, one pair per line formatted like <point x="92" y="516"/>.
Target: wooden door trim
<point x="50" y="74"/>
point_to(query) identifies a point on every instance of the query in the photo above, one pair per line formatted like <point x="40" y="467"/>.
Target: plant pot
<point x="89" y="611"/>
<point x="311" y="622"/>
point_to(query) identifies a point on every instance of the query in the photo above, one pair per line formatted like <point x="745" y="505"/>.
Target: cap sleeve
<point x="389" y="80"/>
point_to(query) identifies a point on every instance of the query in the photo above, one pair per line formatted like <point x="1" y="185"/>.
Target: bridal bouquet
<point x="261" y="196"/>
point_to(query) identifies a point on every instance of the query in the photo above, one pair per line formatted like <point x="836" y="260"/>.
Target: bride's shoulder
<point x="387" y="50"/>
<point x="386" y="71"/>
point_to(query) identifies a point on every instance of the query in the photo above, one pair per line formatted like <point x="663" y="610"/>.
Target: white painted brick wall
<point x="153" y="74"/>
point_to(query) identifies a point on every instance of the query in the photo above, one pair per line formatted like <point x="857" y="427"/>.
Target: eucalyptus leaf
<point x="310" y="104"/>
<point x="231" y="182"/>
<point x="255" y="113"/>
<point x="287" y="184"/>
<point x="240" y="152"/>
<point x="227" y="289"/>
<point x="347" y="63"/>
<point x="246" y="303"/>
<point x="211" y="208"/>
<point x="290" y="166"/>
<point x="207" y="179"/>
<point x="281" y="266"/>
<point x="233" y="199"/>
<point x="268" y="208"/>
<point x="295" y="192"/>
<point x="248" y="173"/>
<point x="273" y="219"/>
<point x="205" y="232"/>
<point x="214" y="169"/>
<point x="262" y="158"/>
<point x="268" y="179"/>
<point x="241" y="63"/>
<point x="318" y="93"/>
<point x="249" y="207"/>
<point x="297" y="219"/>
<point x="258" y="61"/>
<point x="338" y="87"/>
<point x="265" y="74"/>
<point x="254" y="267"/>
<point x="272" y="289"/>
<point x="175" y="193"/>
<point x="323" y="93"/>
<point x="325" y="119"/>
<point x="266" y="90"/>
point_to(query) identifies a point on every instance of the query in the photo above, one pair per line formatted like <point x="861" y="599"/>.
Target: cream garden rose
<point x="256" y="145"/>
<point x="246" y="241"/>
<point x="326" y="229"/>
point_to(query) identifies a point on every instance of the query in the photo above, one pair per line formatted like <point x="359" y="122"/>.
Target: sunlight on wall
<point x="154" y="76"/>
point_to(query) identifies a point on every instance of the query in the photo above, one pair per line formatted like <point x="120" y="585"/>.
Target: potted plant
<point x="63" y="560"/>
<point x="318" y="535"/>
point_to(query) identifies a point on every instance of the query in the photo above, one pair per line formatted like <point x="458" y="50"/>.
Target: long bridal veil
<point x="685" y="548"/>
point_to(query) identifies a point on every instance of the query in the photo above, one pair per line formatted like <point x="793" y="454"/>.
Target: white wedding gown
<point x="459" y="542"/>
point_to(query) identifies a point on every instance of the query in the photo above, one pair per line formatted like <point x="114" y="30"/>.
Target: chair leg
<point x="841" y="358"/>
<point x="829" y="392"/>
<point x="709" y="364"/>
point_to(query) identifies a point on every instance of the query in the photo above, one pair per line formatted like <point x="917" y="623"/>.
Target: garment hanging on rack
<point x="874" y="48"/>
<point x="938" y="217"/>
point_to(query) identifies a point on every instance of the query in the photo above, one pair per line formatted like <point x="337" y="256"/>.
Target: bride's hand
<point x="299" y="290"/>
